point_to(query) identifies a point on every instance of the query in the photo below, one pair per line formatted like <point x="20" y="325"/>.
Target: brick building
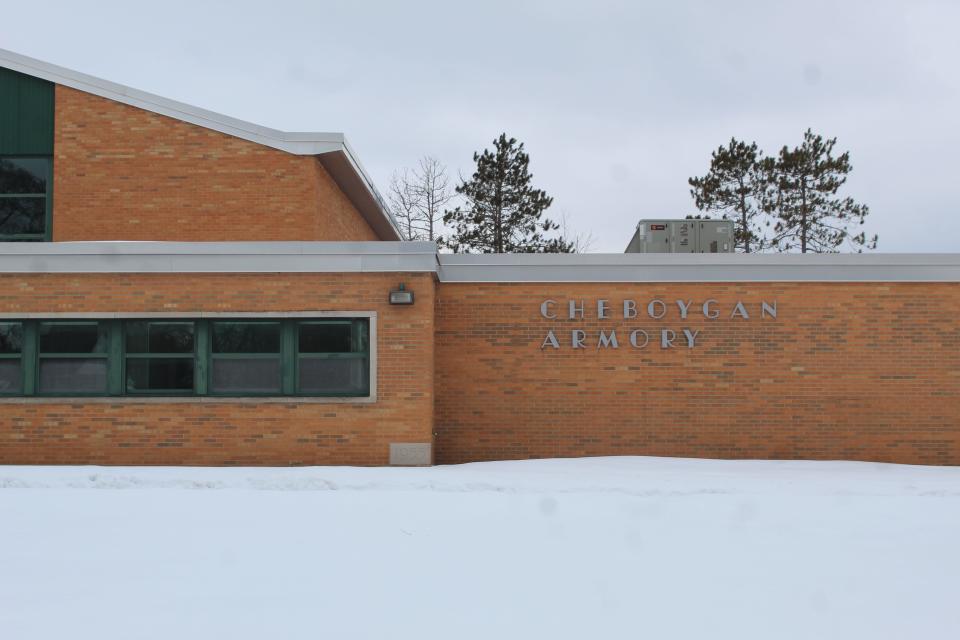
<point x="179" y="287"/>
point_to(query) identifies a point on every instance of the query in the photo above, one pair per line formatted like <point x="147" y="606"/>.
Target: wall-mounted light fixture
<point x="401" y="296"/>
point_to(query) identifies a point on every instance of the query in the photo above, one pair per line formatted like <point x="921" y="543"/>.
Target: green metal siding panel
<point x="26" y="114"/>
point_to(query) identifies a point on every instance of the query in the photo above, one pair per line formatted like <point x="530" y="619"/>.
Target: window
<point x="159" y="357"/>
<point x="11" y="361"/>
<point x="246" y="358"/>
<point x="73" y="358"/>
<point x="186" y="357"/>
<point x="332" y="357"/>
<point x="26" y="156"/>
<point x="24" y="198"/>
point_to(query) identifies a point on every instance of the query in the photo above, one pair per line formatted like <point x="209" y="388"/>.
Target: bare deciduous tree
<point x="417" y="197"/>
<point x="579" y="241"/>
<point x="403" y="198"/>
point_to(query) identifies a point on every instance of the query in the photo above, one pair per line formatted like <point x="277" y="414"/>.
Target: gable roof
<point x="331" y="149"/>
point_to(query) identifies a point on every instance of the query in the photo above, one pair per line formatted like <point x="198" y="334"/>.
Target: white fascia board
<point x="218" y="257"/>
<point x="355" y="162"/>
<point x="422" y="257"/>
<point x="347" y="172"/>
<point x="702" y="267"/>
<point x="297" y="143"/>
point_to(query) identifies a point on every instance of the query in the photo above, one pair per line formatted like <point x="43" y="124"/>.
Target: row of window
<point x="25" y="198"/>
<point x="175" y="357"/>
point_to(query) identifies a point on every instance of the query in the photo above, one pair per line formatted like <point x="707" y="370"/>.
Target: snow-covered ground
<point x="590" y="548"/>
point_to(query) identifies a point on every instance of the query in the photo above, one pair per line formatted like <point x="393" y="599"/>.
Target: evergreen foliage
<point x="735" y="187"/>
<point x="503" y="212"/>
<point x="809" y="214"/>
<point x="787" y="203"/>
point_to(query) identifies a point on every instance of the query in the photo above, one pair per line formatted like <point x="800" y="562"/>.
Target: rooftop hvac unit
<point x="682" y="236"/>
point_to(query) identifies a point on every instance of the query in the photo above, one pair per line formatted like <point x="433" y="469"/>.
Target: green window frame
<point x="18" y="199"/>
<point x="73" y="358"/>
<point x="26" y="156"/>
<point x="11" y="359"/>
<point x="157" y="353"/>
<point x="185" y="357"/>
<point x="348" y="349"/>
<point x="243" y="346"/>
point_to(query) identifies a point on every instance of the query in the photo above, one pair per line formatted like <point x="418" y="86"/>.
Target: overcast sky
<point x="618" y="102"/>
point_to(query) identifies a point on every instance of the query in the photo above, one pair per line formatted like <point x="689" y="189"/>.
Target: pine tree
<point x="809" y="214"/>
<point x="735" y="187"/>
<point x="504" y="213"/>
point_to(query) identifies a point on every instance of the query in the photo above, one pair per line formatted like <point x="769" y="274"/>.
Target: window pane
<point x="159" y="374"/>
<point x="246" y="337"/>
<point x="73" y="375"/>
<point x="22" y="215"/>
<point x="11" y="378"/>
<point x="362" y="338"/>
<point x="159" y="337"/>
<point x="245" y="375"/>
<point x="333" y="375"/>
<point x="11" y="337"/>
<point x="23" y="175"/>
<point x="87" y="337"/>
<point x="325" y="338"/>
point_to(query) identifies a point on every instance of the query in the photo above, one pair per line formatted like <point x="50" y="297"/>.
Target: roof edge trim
<point x="406" y="256"/>
<point x="300" y="143"/>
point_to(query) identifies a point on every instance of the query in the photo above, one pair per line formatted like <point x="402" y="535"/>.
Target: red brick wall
<point x="846" y="371"/>
<point x="122" y="173"/>
<point x="128" y="431"/>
